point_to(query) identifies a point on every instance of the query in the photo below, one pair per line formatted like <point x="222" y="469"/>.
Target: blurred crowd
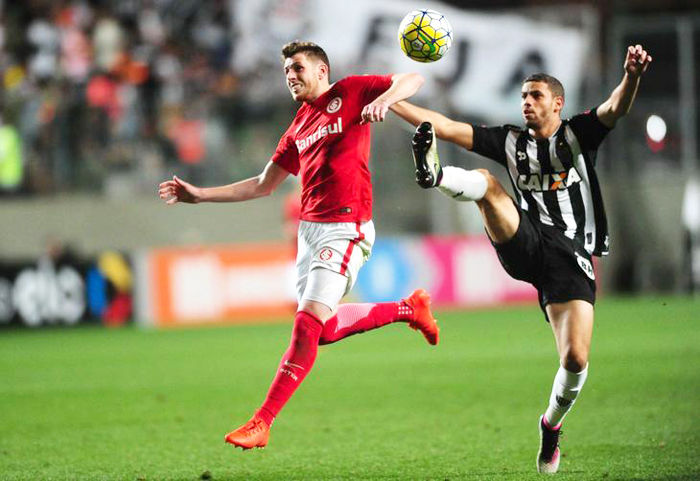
<point x="111" y="96"/>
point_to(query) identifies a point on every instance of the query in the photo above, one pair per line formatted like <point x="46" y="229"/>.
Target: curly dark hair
<point x="310" y="49"/>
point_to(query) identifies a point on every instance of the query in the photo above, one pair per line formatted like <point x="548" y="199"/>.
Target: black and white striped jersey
<point x="554" y="179"/>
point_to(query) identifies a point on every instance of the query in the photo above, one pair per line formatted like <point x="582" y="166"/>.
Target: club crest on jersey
<point x="332" y="128"/>
<point x="546" y="182"/>
<point x="325" y="254"/>
<point x="334" y="105"/>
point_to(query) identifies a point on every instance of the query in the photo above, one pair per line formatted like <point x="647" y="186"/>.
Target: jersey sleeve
<point x="370" y="86"/>
<point x="589" y="130"/>
<point x="287" y="155"/>
<point x="491" y="142"/>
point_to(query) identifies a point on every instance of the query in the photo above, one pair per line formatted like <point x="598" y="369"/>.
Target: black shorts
<point x="558" y="267"/>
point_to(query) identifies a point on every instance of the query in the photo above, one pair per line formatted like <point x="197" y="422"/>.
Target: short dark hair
<point x="554" y="85"/>
<point x="310" y="49"/>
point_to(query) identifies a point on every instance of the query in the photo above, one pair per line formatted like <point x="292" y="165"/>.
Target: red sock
<point x="294" y="366"/>
<point x="356" y="318"/>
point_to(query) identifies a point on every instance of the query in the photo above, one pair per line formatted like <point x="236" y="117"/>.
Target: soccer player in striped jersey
<point x="328" y="143"/>
<point x="548" y="235"/>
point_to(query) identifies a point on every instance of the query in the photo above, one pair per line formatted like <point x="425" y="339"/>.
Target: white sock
<point x="462" y="185"/>
<point x="566" y="387"/>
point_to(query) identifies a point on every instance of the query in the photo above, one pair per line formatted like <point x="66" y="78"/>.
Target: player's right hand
<point x="177" y="190"/>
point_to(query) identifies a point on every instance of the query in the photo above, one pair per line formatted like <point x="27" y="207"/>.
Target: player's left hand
<point x="637" y="60"/>
<point x="374" y="112"/>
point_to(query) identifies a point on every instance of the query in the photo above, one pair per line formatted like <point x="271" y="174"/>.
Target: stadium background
<point x="103" y="100"/>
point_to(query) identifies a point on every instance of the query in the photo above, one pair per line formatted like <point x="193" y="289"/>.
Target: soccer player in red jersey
<point x="328" y="143"/>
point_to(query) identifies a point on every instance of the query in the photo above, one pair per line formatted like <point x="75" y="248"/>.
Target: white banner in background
<point x="481" y="75"/>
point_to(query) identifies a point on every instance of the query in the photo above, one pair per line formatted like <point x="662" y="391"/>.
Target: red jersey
<point x="327" y="144"/>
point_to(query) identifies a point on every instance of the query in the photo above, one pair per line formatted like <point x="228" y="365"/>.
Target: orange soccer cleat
<point x="253" y="434"/>
<point x="423" y="320"/>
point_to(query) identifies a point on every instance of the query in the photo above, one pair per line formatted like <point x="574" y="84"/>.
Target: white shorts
<point x="339" y="247"/>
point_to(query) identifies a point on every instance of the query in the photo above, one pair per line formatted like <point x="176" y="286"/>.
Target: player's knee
<point x="489" y="177"/>
<point x="575" y="359"/>
<point x="305" y="329"/>
<point x="493" y="186"/>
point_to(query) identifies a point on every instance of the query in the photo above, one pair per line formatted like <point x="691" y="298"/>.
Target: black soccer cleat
<point x="548" y="455"/>
<point x="425" y="156"/>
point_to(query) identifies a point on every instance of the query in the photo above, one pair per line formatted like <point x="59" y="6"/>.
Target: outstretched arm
<point x="403" y="85"/>
<point x="636" y="63"/>
<point x="460" y="133"/>
<point x="177" y="190"/>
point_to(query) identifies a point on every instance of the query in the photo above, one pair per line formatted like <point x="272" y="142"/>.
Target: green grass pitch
<point x="135" y="404"/>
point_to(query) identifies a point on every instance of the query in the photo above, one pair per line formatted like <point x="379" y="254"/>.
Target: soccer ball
<point x="425" y="35"/>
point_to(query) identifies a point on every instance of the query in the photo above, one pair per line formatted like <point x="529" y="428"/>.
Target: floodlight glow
<point x="656" y="128"/>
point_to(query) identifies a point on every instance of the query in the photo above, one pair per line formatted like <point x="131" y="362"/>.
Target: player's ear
<point x="322" y="70"/>
<point x="558" y="103"/>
